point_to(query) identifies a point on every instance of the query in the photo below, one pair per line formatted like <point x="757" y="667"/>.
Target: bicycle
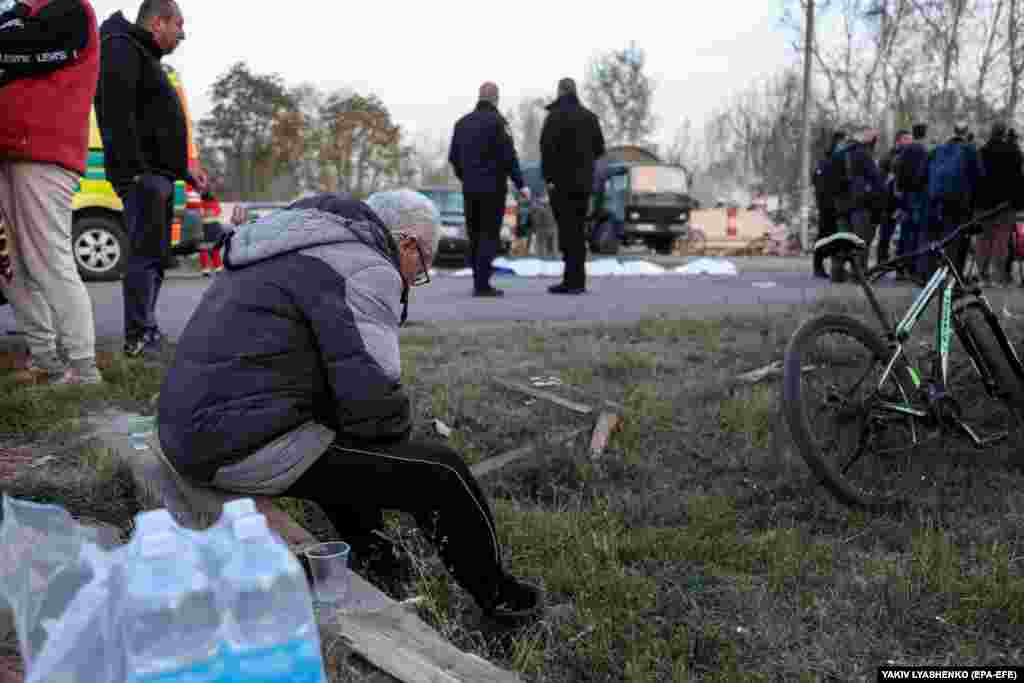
<point x="891" y="408"/>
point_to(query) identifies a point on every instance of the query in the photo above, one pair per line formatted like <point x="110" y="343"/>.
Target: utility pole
<point x="805" y="134"/>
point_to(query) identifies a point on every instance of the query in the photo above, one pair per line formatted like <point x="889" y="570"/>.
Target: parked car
<point x="454" y="243"/>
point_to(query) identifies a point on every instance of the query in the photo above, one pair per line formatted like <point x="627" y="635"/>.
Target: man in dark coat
<point x="145" y="146"/>
<point x="570" y="143"/>
<point x="955" y="177"/>
<point x="822" y="181"/>
<point x="484" y="159"/>
<point x="887" y="219"/>
<point x="911" y="176"/>
<point x="858" y="192"/>
<point x="1003" y="183"/>
<point x="287" y="382"/>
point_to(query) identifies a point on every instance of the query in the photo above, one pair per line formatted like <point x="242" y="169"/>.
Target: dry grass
<point x="698" y="548"/>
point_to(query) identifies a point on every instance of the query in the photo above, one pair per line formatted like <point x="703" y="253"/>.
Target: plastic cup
<point x="328" y="564"/>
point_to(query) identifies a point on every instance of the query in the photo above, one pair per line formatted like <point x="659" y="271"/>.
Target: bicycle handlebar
<point x="973" y="226"/>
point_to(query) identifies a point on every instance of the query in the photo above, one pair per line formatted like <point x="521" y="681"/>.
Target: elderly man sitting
<point x="286" y="382"/>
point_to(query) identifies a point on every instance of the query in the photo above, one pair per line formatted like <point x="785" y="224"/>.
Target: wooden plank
<point x="401" y="644"/>
<point x="497" y="462"/>
<point x="754" y="376"/>
<point x="545" y="395"/>
<point x="607" y="423"/>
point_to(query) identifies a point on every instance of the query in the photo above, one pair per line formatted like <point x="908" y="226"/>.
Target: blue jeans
<point x="148" y="210"/>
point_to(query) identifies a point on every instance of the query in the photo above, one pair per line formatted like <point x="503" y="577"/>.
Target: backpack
<point x="947" y="174"/>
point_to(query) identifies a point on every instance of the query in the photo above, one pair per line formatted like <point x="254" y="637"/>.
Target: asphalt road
<point x="448" y="299"/>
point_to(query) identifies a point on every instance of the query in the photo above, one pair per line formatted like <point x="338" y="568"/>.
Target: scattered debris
<point x="496" y="462"/>
<point x="442" y="429"/>
<point x="754" y="376"/>
<point x="546" y="395"/>
<point x="607" y="423"/>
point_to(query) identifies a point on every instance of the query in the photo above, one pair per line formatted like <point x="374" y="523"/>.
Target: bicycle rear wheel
<point x="832" y="402"/>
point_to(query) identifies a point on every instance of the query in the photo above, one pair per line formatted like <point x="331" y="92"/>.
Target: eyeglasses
<point x="423" y="276"/>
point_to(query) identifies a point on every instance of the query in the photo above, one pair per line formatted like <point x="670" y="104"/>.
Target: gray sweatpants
<point x="51" y="304"/>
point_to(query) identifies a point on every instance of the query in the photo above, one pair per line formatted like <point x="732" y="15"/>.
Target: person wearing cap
<point x="1003" y="183"/>
<point x="484" y="158"/>
<point x="955" y="177"/>
<point x="571" y="142"/>
<point x="287" y="382"/>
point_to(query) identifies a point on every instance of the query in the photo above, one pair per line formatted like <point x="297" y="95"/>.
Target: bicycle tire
<point x="973" y="318"/>
<point x="799" y="363"/>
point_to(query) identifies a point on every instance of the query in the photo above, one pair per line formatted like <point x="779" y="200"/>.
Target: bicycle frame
<point x="944" y="282"/>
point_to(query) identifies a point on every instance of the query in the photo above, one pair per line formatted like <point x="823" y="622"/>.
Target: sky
<point x="426" y="60"/>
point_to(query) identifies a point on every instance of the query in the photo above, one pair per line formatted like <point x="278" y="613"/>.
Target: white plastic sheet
<point x="708" y="266"/>
<point x="535" y="267"/>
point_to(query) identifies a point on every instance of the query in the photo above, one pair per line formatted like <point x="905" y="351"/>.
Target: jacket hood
<point x="565" y="102"/>
<point x="290" y="230"/>
<point x="117" y="24"/>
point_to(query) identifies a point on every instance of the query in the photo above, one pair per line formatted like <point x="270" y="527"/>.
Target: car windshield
<point x="447" y="202"/>
<point x="657" y="179"/>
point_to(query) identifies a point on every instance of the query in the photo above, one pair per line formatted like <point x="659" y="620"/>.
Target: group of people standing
<point x="484" y="158"/>
<point x="922" y="194"/>
<point x="56" y="64"/>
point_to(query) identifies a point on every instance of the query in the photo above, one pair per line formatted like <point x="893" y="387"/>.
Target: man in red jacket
<point x="49" y="63"/>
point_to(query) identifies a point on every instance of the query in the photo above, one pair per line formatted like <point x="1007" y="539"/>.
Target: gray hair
<point x="412" y="213"/>
<point x="156" y="9"/>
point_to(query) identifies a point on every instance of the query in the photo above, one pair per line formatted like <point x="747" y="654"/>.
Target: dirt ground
<point x="698" y="547"/>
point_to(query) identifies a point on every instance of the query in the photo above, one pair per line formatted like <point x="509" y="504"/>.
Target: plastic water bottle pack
<point x="226" y="605"/>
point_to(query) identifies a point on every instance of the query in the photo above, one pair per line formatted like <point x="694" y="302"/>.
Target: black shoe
<point x="149" y="346"/>
<point x="516" y="603"/>
<point x="566" y="289"/>
<point x="489" y="292"/>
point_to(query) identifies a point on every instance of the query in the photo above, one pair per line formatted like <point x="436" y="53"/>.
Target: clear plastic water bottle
<point x="217" y="542"/>
<point x="168" y="617"/>
<point x="270" y="629"/>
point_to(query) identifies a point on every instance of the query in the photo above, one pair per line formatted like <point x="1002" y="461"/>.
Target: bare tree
<point x="685" y="151"/>
<point x="621" y="94"/>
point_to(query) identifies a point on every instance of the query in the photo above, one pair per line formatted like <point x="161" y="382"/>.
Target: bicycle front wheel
<point x="842" y="416"/>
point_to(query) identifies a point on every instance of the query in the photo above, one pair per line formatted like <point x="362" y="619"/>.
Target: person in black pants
<point x="484" y="159"/>
<point x="287" y="382"/>
<point x="145" y="143"/>
<point x="571" y="142"/>
<point x="823" y="198"/>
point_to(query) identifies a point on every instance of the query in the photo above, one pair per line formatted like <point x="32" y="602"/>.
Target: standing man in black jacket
<point x="570" y="143"/>
<point x="145" y="143"/>
<point x="484" y="158"/>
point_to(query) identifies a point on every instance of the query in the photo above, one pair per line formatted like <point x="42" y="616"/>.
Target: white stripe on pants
<point x="51" y="304"/>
